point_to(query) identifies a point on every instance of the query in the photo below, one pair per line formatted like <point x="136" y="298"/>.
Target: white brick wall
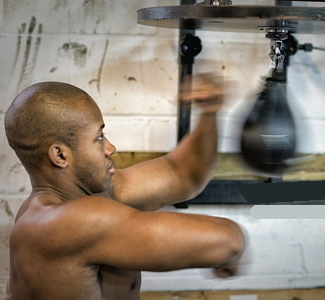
<point x="131" y="71"/>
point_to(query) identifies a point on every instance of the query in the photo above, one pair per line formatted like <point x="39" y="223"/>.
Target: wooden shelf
<point x="296" y="294"/>
<point x="230" y="166"/>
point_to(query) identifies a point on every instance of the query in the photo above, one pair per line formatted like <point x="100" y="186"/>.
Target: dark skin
<point x="87" y="230"/>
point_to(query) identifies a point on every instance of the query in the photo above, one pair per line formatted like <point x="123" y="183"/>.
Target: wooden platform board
<point x="230" y="166"/>
<point x="298" y="294"/>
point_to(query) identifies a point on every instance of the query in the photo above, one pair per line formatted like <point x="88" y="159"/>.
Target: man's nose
<point x="109" y="148"/>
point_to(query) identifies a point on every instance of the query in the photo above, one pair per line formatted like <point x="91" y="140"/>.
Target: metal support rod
<point x="283" y="3"/>
<point x="190" y="46"/>
<point x="184" y="110"/>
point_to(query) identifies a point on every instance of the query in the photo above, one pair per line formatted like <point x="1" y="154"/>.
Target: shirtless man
<point x="87" y="230"/>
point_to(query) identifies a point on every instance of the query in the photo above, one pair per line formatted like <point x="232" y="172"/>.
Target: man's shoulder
<point x="54" y="225"/>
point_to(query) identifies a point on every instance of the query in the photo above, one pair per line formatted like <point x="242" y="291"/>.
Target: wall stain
<point x="131" y="78"/>
<point x="16" y="168"/>
<point x="94" y="12"/>
<point x="31" y="27"/>
<point x="21" y="30"/>
<point x="97" y="23"/>
<point x="7" y="209"/>
<point x="3" y="159"/>
<point x="165" y="71"/>
<point x="100" y="70"/>
<point x="79" y="52"/>
<point x="37" y="45"/>
<point x="24" y="72"/>
<point x="87" y="3"/>
<point x="58" y="4"/>
<point x="92" y="5"/>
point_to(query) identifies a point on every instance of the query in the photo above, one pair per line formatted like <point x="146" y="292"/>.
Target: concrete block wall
<point x="132" y="71"/>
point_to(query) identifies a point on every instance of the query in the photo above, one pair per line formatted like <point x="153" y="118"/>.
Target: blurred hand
<point x="225" y="272"/>
<point x="207" y="90"/>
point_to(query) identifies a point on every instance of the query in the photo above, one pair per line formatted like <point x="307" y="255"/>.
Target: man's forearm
<point x="195" y="157"/>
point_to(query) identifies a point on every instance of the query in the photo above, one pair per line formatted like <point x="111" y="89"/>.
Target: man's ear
<point x="58" y="155"/>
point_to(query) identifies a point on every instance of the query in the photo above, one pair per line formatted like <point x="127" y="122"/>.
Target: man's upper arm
<point x="152" y="184"/>
<point x="109" y="233"/>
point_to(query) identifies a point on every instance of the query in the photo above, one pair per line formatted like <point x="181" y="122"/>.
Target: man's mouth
<point x="111" y="168"/>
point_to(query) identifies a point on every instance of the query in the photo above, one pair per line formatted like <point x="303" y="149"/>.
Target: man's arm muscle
<point x="180" y="175"/>
<point x="109" y="233"/>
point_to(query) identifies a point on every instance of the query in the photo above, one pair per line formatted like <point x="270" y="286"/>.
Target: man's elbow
<point x="199" y="181"/>
<point x="197" y="185"/>
<point x="227" y="244"/>
<point x="236" y="241"/>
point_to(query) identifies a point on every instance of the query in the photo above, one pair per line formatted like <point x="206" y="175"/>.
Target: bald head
<point x="43" y="114"/>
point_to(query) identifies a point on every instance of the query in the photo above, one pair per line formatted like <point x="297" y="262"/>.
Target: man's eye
<point x="101" y="137"/>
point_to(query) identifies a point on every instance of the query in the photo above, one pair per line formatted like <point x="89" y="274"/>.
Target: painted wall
<point x="132" y="71"/>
